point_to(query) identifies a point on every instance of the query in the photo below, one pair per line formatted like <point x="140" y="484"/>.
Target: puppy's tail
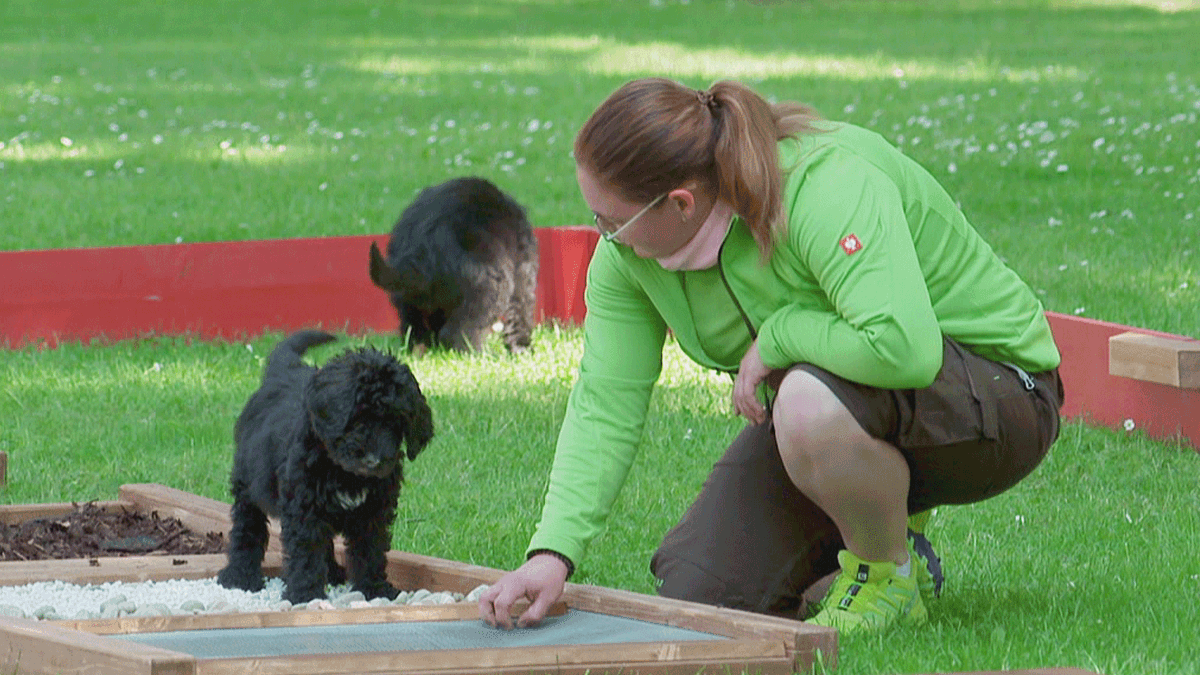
<point x="286" y="354"/>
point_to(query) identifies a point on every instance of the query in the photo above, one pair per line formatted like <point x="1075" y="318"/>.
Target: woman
<point x="886" y="360"/>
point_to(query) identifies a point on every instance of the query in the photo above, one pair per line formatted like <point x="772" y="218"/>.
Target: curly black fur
<point x="461" y="257"/>
<point x="320" y="449"/>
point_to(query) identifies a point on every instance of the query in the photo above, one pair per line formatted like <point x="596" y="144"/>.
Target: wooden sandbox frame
<point x="754" y="643"/>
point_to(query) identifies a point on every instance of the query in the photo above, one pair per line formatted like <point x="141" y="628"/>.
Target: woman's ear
<point x="684" y="200"/>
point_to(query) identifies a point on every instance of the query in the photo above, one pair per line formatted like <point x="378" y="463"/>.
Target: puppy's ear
<point x="328" y="407"/>
<point x="382" y="274"/>
<point x="406" y="279"/>
<point x="417" y="416"/>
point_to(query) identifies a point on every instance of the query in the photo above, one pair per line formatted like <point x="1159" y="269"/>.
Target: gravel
<point x="55" y="600"/>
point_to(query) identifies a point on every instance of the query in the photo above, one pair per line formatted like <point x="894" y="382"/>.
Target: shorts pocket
<point x="956" y="407"/>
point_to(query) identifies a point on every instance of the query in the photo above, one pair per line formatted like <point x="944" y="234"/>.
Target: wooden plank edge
<point x="619" y="656"/>
<point x="128" y="568"/>
<point x="758" y="665"/>
<point x="459" y="611"/>
<point x="413" y="570"/>
<point x="14" y="514"/>
<point x="199" y="514"/>
<point x="804" y="640"/>
<point x="36" y="647"/>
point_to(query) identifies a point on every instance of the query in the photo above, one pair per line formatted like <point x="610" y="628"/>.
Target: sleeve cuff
<point x="567" y="561"/>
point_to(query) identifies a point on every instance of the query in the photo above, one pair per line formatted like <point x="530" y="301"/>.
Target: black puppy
<point x="461" y="257"/>
<point x="320" y="450"/>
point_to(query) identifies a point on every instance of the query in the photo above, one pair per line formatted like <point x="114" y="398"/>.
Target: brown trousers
<point x="752" y="541"/>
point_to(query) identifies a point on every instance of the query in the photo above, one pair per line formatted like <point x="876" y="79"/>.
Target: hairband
<point x="706" y="99"/>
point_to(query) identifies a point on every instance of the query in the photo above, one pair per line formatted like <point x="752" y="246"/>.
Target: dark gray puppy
<point x="462" y="257"/>
<point x="320" y="449"/>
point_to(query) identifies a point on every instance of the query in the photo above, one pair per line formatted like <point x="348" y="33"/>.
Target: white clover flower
<point x="1128" y="424"/>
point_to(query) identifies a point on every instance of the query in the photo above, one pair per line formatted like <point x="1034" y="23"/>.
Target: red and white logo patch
<point x="851" y="244"/>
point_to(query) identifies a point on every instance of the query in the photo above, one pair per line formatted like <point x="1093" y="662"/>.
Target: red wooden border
<point x="1162" y="411"/>
<point x="232" y="290"/>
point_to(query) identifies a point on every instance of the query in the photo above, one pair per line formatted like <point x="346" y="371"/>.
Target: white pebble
<point x="473" y="596"/>
<point x="59" y="599"/>
<point x="45" y="612"/>
<point x="192" y="607"/>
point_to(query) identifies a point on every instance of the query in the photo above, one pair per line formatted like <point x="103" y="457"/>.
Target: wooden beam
<point x="459" y="611"/>
<point x="761" y="665"/>
<point x="758" y="643"/>
<point x="1097" y="397"/>
<point x="199" y="514"/>
<point x="13" y="514"/>
<point x="29" y="647"/>
<point x="620" y="657"/>
<point x="1152" y="358"/>
<point x="803" y="640"/>
<point x="130" y="568"/>
<point x="219" y="289"/>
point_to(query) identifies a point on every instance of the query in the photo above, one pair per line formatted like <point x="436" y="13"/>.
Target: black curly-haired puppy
<point x="320" y="449"/>
<point x="462" y="257"/>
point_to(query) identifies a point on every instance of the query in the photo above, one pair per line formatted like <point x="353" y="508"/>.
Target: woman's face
<point x="657" y="232"/>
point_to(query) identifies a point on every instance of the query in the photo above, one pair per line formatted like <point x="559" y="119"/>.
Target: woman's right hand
<point x="540" y="581"/>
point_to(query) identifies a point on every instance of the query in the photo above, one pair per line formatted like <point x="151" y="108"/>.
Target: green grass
<point x="1089" y="562"/>
<point x="1067" y="130"/>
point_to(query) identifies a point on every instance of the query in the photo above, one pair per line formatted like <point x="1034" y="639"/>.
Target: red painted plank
<point x="233" y="289"/>
<point x="1162" y="411"/>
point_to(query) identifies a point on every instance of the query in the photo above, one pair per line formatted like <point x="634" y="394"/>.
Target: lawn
<point x="1067" y="130"/>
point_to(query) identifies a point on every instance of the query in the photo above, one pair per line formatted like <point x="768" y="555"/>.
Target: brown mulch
<point x="91" y="532"/>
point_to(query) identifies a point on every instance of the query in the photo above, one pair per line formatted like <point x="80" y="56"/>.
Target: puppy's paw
<point x="378" y="590"/>
<point x="236" y="578"/>
<point x="336" y="575"/>
<point x="301" y="595"/>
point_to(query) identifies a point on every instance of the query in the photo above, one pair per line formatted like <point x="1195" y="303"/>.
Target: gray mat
<point x="573" y="628"/>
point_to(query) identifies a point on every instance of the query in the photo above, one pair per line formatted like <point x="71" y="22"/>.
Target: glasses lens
<point x="606" y="228"/>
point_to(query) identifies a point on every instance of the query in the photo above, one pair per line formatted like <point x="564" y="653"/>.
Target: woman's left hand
<point x="751" y="373"/>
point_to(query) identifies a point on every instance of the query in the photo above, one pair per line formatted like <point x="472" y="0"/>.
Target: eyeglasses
<point x="611" y="234"/>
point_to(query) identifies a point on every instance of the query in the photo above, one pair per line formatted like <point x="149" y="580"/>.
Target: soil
<point x="91" y="532"/>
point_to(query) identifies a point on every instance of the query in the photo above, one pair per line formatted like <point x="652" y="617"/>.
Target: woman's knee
<point x="808" y="416"/>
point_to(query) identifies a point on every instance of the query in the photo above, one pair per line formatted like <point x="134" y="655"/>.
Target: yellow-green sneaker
<point x="870" y="596"/>
<point x="927" y="566"/>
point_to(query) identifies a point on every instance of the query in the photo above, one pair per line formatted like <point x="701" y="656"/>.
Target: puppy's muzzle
<point x="371" y="466"/>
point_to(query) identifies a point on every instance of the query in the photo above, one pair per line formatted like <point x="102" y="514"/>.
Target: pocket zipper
<point x="1028" y="381"/>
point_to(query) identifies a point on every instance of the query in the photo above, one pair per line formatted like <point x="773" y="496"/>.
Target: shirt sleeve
<point x="847" y="226"/>
<point x="606" y="411"/>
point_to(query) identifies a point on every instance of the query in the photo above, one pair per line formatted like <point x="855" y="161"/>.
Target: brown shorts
<point x="752" y="541"/>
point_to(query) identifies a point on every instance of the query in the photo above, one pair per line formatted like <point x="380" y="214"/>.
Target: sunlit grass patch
<point x="717" y="63"/>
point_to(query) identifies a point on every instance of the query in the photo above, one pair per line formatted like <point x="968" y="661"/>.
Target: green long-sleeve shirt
<point x="877" y="264"/>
